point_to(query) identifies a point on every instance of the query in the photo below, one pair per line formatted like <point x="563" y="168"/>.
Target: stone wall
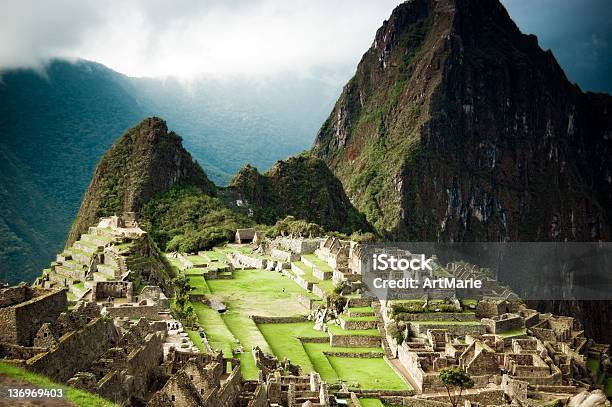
<point x="143" y="362"/>
<point x="297" y="245"/>
<point x="515" y="389"/>
<point x="284" y="255"/>
<point x="260" y="397"/>
<point x="114" y="289"/>
<point x="487" y="397"/>
<point x="489" y="308"/>
<point x="321" y="274"/>
<point x="484" y="363"/>
<point x="277" y="320"/>
<point x="309" y="303"/>
<point x="14" y="295"/>
<point x="154" y="293"/>
<point x="354" y="341"/>
<point x="415" y="402"/>
<point x="19" y="323"/>
<point x="246" y="261"/>
<point x="313" y="339"/>
<point x="228" y="393"/>
<point x="357" y="324"/>
<point x="75" y="350"/>
<point x="417" y="329"/>
<point x="318" y="291"/>
<point x="437" y="316"/>
<point x="503" y="323"/>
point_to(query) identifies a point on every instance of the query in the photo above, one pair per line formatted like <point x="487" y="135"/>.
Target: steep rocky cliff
<point x="301" y="186"/>
<point x="456" y="126"/>
<point x="146" y="161"/>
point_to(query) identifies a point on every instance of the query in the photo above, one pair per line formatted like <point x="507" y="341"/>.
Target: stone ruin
<point x="515" y="354"/>
<point x="114" y="252"/>
<point x="286" y="385"/>
<point x="151" y="303"/>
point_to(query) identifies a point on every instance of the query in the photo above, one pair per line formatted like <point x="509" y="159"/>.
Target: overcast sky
<point x="188" y="38"/>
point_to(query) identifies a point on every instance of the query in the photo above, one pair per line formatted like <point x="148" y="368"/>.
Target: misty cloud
<point x="190" y="37"/>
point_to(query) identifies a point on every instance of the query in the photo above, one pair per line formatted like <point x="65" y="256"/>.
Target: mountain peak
<point x="458" y="126"/>
<point x="146" y="161"/>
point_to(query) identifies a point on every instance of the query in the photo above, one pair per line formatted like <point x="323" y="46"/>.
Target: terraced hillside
<point x="268" y="309"/>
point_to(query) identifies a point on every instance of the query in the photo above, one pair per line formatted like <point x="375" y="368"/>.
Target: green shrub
<point x="290" y="226"/>
<point x="417" y="306"/>
<point x="395" y="331"/>
<point x="187" y="220"/>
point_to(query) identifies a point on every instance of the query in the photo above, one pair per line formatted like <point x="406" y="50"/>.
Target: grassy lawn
<point x="514" y="332"/>
<point x="320" y="361"/>
<point x="254" y="292"/>
<point x="174" y="262"/>
<point x="197" y="340"/>
<point x="283" y="339"/>
<point x="219" y="336"/>
<point x="326" y="285"/>
<point x="322" y="265"/>
<point x="197" y="260"/>
<point x="219" y="254"/>
<point x="445" y="322"/>
<point x="346" y="318"/>
<point x="370" y="373"/>
<point x="263" y="293"/>
<point x="284" y="342"/>
<point x="361" y="309"/>
<point x="371" y="402"/>
<point x="198" y="285"/>
<point x="78" y="397"/>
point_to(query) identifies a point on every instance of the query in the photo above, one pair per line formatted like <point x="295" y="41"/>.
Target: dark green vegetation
<point x="300" y="186"/>
<point x="455" y="379"/>
<point x="78" y="397"/>
<point x="186" y="220"/>
<point x="602" y="378"/>
<point x="56" y="125"/>
<point x="53" y="130"/>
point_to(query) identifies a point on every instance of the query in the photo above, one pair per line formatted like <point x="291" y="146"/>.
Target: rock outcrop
<point x="146" y="161"/>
